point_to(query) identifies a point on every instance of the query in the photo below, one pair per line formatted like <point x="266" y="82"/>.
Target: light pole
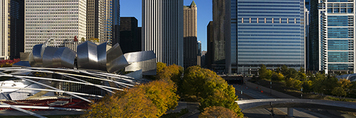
<point x="270" y="88"/>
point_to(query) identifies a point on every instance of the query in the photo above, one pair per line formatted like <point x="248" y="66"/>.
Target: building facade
<point x="130" y="35"/>
<point x="190" y="35"/>
<point x="4" y="34"/>
<point x="103" y="18"/>
<point x="162" y="29"/>
<point x="266" y="32"/>
<point x="199" y="54"/>
<point x="16" y="28"/>
<point x="336" y="35"/>
<point x="221" y="37"/>
<point x="210" y="41"/>
<point x="61" y="20"/>
<point x="313" y="46"/>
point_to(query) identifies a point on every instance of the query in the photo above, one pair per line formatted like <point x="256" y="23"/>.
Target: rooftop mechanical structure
<point x="59" y="73"/>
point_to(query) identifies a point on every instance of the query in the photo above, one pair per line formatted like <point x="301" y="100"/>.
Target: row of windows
<point x="340" y="10"/>
<point x="57" y="22"/>
<point x="268" y="20"/>
<point x="340" y="21"/>
<point x="54" y="15"/>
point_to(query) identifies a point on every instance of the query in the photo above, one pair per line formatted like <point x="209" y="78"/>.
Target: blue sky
<point x="133" y="8"/>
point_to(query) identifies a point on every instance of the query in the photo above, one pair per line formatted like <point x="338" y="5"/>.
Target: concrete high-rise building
<point x="102" y="19"/>
<point x="61" y="20"/>
<point x="162" y="29"/>
<point x="221" y="37"/>
<point x="336" y="35"/>
<point x="190" y="35"/>
<point x="130" y="35"/>
<point x="4" y="34"/>
<point x="16" y="28"/>
<point x="271" y="33"/>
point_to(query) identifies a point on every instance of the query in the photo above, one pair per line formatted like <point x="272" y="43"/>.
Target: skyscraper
<point x="221" y="37"/>
<point x="336" y="35"/>
<point x="130" y="35"/>
<point x="266" y="32"/>
<point x="102" y="19"/>
<point x="190" y="35"/>
<point x="4" y="34"/>
<point x="61" y="20"/>
<point x="16" y="28"/>
<point x="162" y="29"/>
<point x="313" y="46"/>
<point x="199" y="53"/>
<point x="210" y="42"/>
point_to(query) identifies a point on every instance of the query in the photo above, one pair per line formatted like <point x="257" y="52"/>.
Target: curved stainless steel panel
<point x="87" y="56"/>
<point x="140" y="56"/>
<point x="48" y="56"/>
<point x="101" y="52"/>
<point x="117" y="64"/>
<point x="145" y="61"/>
<point x="35" y="58"/>
<point x="67" y="57"/>
<point x="112" y="56"/>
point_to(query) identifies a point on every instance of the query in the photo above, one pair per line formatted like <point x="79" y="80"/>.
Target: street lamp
<point x="270" y="88"/>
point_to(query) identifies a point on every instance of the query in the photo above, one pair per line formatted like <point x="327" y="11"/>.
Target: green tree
<point x="307" y="86"/>
<point x="277" y="77"/>
<point x="209" y="89"/>
<point x="339" y="91"/>
<point x="218" y="112"/>
<point x="284" y="70"/>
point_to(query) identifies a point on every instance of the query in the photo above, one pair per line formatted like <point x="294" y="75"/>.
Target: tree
<point x="92" y="39"/>
<point x="307" y="86"/>
<point x="82" y="39"/>
<point x="162" y="94"/>
<point x="129" y="104"/>
<point x="264" y="73"/>
<point x="173" y="73"/>
<point x="209" y="89"/>
<point x="284" y="70"/>
<point x="277" y="76"/>
<point x="294" y="83"/>
<point x="160" y="67"/>
<point x="339" y="91"/>
<point x="218" y="112"/>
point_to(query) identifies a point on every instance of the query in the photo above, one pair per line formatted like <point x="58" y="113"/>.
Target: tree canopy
<point x="218" y="112"/>
<point x="209" y="89"/>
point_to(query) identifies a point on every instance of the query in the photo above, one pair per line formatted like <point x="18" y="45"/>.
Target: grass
<point x="340" y="99"/>
<point x="176" y="115"/>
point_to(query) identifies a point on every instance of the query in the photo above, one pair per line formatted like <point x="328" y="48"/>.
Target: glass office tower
<point x="269" y="32"/>
<point x="336" y="41"/>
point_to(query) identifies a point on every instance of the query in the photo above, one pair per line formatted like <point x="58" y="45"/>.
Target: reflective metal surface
<point x="87" y="56"/>
<point x="115" y="60"/>
<point x="92" y="57"/>
<point x="35" y="58"/>
<point x="101" y="52"/>
<point x="58" y="57"/>
<point x="145" y="61"/>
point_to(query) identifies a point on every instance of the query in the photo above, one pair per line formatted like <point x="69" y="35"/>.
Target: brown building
<point x="102" y="20"/>
<point x="190" y="35"/>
